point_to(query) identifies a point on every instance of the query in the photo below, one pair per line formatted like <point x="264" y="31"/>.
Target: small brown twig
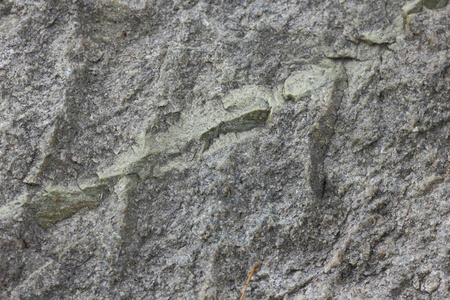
<point x="248" y="280"/>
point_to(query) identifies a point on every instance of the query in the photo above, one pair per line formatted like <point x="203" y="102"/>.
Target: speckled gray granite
<point x="160" y="149"/>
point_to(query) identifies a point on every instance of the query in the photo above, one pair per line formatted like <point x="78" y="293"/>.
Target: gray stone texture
<point x="160" y="149"/>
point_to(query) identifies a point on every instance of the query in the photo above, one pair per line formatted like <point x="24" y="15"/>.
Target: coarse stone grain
<point x="161" y="149"/>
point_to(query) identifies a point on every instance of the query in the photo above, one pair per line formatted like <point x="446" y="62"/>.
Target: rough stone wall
<point x="160" y="149"/>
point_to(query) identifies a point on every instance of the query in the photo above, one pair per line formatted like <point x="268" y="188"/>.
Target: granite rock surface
<point x="160" y="149"/>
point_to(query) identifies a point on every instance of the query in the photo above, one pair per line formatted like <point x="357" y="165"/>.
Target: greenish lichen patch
<point x="13" y="211"/>
<point x="412" y="7"/>
<point x="248" y="98"/>
<point x="435" y="4"/>
<point x="304" y="83"/>
<point x="90" y="184"/>
<point x="386" y="35"/>
<point x="59" y="203"/>
<point x="240" y="110"/>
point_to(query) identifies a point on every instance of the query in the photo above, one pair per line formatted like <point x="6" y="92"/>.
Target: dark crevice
<point x="242" y="123"/>
<point x="320" y="136"/>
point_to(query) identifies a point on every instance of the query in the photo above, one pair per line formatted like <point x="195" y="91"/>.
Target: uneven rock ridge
<point x="160" y="149"/>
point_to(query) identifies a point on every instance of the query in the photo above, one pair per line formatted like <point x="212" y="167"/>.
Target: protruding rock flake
<point x="163" y="149"/>
<point x="305" y="83"/>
